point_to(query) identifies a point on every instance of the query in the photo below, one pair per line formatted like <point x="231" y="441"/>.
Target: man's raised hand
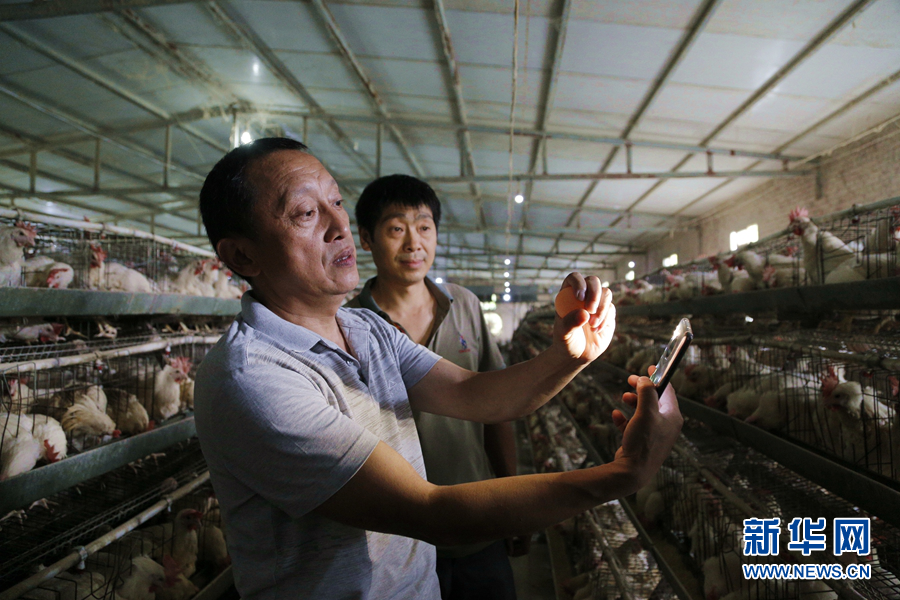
<point x="584" y="334"/>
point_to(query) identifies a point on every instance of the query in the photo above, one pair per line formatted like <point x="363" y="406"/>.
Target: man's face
<point x="403" y="243"/>
<point x="303" y="246"/>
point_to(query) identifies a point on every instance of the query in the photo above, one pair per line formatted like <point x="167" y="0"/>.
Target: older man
<point x="304" y="409"/>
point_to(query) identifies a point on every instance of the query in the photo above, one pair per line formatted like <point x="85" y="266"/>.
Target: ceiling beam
<point x="80" y="68"/>
<point x="464" y="137"/>
<point x="597" y="176"/>
<point x="16" y="93"/>
<point x="698" y="22"/>
<point x="230" y="19"/>
<point x="819" y="40"/>
<point x="377" y="103"/>
<point x="27" y="11"/>
<point x="548" y="96"/>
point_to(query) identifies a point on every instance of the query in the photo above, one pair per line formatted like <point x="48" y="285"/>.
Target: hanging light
<point x="246" y="138"/>
<point x="519" y="198"/>
<point x="507" y="261"/>
<point x="438" y="280"/>
<point x="630" y="264"/>
<point x="506" y="274"/>
<point x="506" y="297"/>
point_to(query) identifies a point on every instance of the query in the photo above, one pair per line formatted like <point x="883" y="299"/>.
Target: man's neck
<point x="396" y="297"/>
<point x="321" y="319"/>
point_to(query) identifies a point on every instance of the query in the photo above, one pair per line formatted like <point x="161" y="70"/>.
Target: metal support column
<point x="32" y="172"/>
<point x="168" y="158"/>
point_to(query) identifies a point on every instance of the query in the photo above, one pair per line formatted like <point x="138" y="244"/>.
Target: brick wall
<point x="863" y="172"/>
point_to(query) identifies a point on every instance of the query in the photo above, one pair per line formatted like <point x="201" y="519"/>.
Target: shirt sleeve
<point x="275" y="431"/>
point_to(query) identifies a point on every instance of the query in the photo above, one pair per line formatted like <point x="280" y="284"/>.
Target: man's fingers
<point x="619" y="420"/>
<point x="648" y="400"/>
<point x="593" y="293"/>
<point x="633" y="380"/>
<point x="575" y="280"/>
<point x="629" y="398"/>
<point x="574" y="320"/>
<point x="651" y="369"/>
<point x="668" y="401"/>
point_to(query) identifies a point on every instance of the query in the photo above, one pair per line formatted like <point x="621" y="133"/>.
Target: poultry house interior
<point x="730" y="162"/>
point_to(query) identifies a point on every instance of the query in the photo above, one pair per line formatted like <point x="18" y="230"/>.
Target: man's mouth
<point x="345" y="259"/>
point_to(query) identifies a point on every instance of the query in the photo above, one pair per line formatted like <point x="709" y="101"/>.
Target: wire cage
<point x="60" y="253"/>
<point x="850" y="245"/>
<point x="50" y="529"/>
<point x="62" y="405"/>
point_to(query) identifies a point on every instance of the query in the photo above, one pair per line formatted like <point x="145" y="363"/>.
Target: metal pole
<point x="32" y="172"/>
<point x="235" y="136"/>
<point x="379" y="132"/>
<point x="629" y="161"/>
<point x="97" y="164"/>
<point x="168" y="156"/>
<point x="306" y="131"/>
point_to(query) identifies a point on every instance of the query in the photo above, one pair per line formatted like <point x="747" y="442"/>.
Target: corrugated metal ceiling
<point x="763" y="76"/>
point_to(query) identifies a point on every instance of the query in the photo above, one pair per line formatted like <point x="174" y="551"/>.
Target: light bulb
<point x="256" y="68"/>
<point x="519" y="198"/>
<point x="246" y="138"/>
<point x="507" y="261"/>
<point x="506" y="297"/>
<point x="439" y="280"/>
<point x="506" y="274"/>
<point x="630" y="264"/>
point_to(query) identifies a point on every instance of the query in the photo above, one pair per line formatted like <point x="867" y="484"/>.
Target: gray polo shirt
<point x="285" y="419"/>
<point x="453" y="448"/>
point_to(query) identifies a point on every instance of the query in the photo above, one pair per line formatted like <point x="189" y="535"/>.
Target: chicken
<point x="869" y="266"/>
<point x="114" y="277"/>
<point x="721" y="575"/>
<point x="730" y="279"/>
<point x="177" y="540"/>
<point x="885" y="236"/>
<point x="212" y="547"/>
<point x="42" y="332"/>
<point x="21" y="397"/>
<point x="823" y="251"/>
<point x="13" y="240"/>
<point x="636" y="364"/>
<point x="164" y="401"/>
<point x="43" y="271"/>
<point x="129" y="415"/>
<point x="224" y="289"/>
<point x="773" y="270"/>
<point x="699" y="380"/>
<point x="187" y="394"/>
<point x="74" y="393"/>
<point x="87" y="426"/>
<point x="50" y="434"/>
<point x="854" y="421"/>
<point x="180" y="589"/>
<point x="19" y="451"/>
<point x="68" y="586"/>
<point x="197" y="278"/>
<point x="778" y="407"/>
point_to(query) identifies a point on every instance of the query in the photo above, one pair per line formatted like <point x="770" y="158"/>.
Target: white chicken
<point x="177" y="540"/>
<point x="138" y="578"/>
<point x="721" y="575"/>
<point x="197" y="278"/>
<point x="823" y="251"/>
<point x="224" y="289"/>
<point x="43" y="271"/>
<point x="87" y="426"/>
<point x="42" y="332"/>
<point x="187" y="394"/>
<point x="114" y="277"/>
<point x="13" y="240"/>
<point x="19" y="451"/>
<point x="859" y="268"/>
<point x="212" y="547"/>
<point x="74" y="393"/>
<point x="129" y="415"/>
<point x="52" y="438"/>
<point x="164" y="400"/>
<point x="21" y="397"/>
<point x="885" y="236"/>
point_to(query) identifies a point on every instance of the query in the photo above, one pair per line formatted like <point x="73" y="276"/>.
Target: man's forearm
<point x="500" y="447"/>
<point x="511" y="506"/>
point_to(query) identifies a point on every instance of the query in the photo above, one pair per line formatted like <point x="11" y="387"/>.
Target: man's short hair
<point x="390" y="190"/>
<point x="227" y="199"/>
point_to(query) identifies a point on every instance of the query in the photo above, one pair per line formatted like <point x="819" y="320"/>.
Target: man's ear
<point x="237" y="253"/>
<point x="365" y="239"/>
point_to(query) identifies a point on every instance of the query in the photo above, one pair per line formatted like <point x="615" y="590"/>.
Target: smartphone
<point x="675" y="349"/>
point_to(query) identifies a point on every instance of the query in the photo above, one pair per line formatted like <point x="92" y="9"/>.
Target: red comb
<point x="798" y="213"/>
<point x="731" y="260"/>
<point x="52" y="455"/>
<point x="26" y="226"/>
<point x="895" y="386"/>
<point x="182" y="363"/>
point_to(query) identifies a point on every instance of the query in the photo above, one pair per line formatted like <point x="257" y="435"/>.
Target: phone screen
<point x="675" y="349"/>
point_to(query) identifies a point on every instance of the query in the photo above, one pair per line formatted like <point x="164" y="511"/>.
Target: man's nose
<point x="412" y="240"/>
<point x="338" y="226"/>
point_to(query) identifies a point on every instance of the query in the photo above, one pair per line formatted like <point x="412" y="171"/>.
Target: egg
<point x="566" y="301"/>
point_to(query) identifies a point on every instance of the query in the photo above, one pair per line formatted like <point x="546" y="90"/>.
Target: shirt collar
<point x="295" y="337"/>
<point x="440" y="293"/>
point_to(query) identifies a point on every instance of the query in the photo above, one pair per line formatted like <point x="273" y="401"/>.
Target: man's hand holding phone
<point x="649" y="435"/>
